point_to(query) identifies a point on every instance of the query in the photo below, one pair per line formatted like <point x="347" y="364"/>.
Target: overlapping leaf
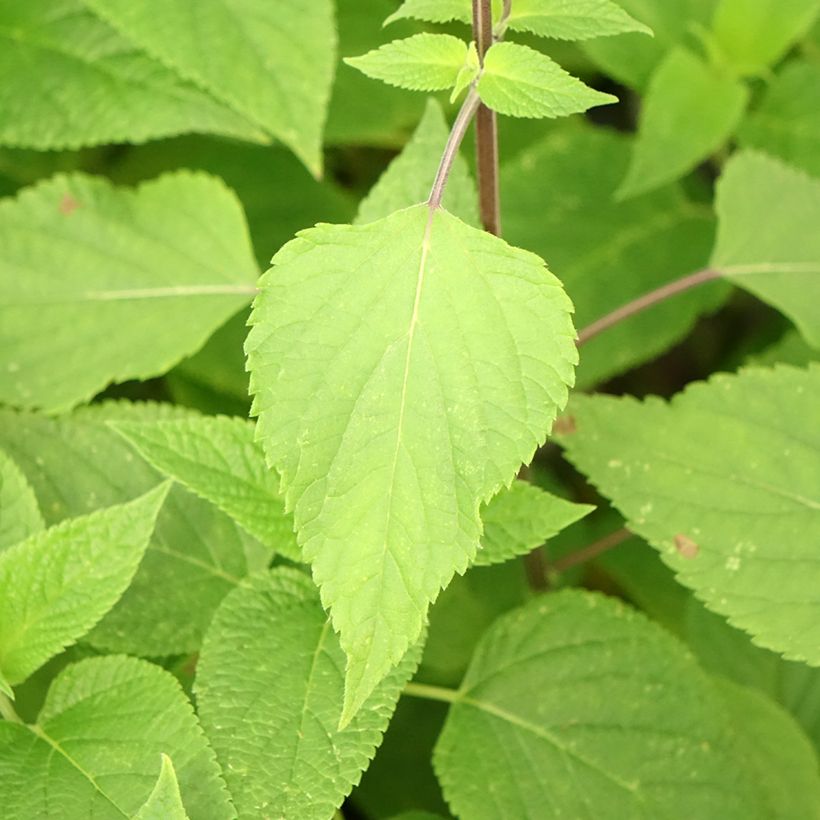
<point x="165" y="802"/>
<point x="57" y="584"/>
<point x="773" y="252"/>
<point x="19" y="514"/>
<point x="77" y="464"/>
<point x="738" y="523"/>
<point x="218" y="459"/>
<point x="97" y="747"/>
<point x="402" y="371"/>
<point x="96" y="277"/>
<point x="522" y="82"/>
<point x="690" y="110"/>
<point x="270" y="689"/>
<point x="409" y="178"/>
<point x="273" y="63"/>
<point x="71" y="80"/>
<point x="590" y="709"/>
<point x="423" y="62"/>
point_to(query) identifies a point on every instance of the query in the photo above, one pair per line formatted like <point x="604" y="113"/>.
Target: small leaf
<point x="107" y="273"/>
<point x="754" y="34"/>
<point x="684" y="469"/>
<point x="97" y="747"/>
<point x="432" y="11"/>
<point x="690" y="111"/>
<point x="218" y="459"/>
<point x="573" y="19"/>
<point x="409" y="177"/>
<point x="165" y="802"/>
<point x="469" y="71"/>
<point x="102" y="88"/>
<point x="423" y="62"/>
<point x="19" y="514"/>
<point x="57" y="584"/>
<point x="773" y="253"/>
<point x="394" y="409"/>
<point x="270" y="691"/>
<point x="272" y="62"/>
<point x="518" y="520"/>
<point x="604" y="706"/>
<point x="522" y="82"/>
<point x="786" y="123"/>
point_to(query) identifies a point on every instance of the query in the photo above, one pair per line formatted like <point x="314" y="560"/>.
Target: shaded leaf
<point x="19" y="514"/>
<point x="573" y="19"/>
<point x="395" y="408"/>
<point x="270" y="690"/>
<point x="117" y="266"/>
<point x="57" y="584"/>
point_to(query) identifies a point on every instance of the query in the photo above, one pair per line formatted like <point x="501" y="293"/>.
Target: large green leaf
<point x="398" y="405"/>
<point x="77" y="464"/>
<point x="590" y="710"/>
<point x="631" y="58"/>
<point x="522" y="82"/>
<point x="753" y="34"/>
<point x="165" y="801"/>
<point x="95" y="277"/>
<point x="787" y="121"/>
<point x="519" y="519"/>
<point x="773" y="252"/>
<point x="273" y="63"/>
<point x="409" y="178"/>
<point x="270" y="690"/>
<point x="423" y="62"/>
<point x="19" y="514"/>
<point x="57" y="584"/>
<point x="219" y="460"/>
<point x="96" y="749"/>
<point x="71" y="80"/>
<point x="607" y="253"/>
<point x="738" y="525"/>
<point x="690" y="111"/>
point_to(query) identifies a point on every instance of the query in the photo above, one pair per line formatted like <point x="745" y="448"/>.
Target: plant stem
<point x="7" y="710"/>
<point x="428" y="692"/>
<point x="486" y="127"/>
<point x="595" y="549"/>
<point x="646" y="301"/>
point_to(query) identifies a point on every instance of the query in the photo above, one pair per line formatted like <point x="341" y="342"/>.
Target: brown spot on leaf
<point x="565" y="426"/>
<point x="686" y="547"/>
<point x="68" y="205"/>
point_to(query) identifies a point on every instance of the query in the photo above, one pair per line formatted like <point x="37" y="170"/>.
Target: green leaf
<point x="632" y="58"/>
<point x="409" y="178"/>
<point x="271" y="62"/>
<point x="773" y="253"/>
<point x="518" y="520"/>
<point x="522" y="82"/>
<point x="432" y="11"/>
<point x="165" y="802"/>
<point x="754" y="34"/>
<point x="57" y="584"/>
<point x="101" y="87"/>
<point x="395" y="408"/>
<point x="218" y="459"/>
<point x="790" y="348"/>
<point x="778" y="753"/>
<point x="19" y="514"/>
<point x="423" y="62"/>
<point x="635" y="247"/>
<point x="602" y="705"/>
<point x="77" y="464"/>
<point x="96" y="749"/>
<point x="690" y="111"/>
<point x="787" y="121"/>
<point x="96" y="277"/>
<point x="573" y="19"/>
<point x="270" y="691"/>
<point x="728" y="652"/>
<point x="739" y="530"/>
